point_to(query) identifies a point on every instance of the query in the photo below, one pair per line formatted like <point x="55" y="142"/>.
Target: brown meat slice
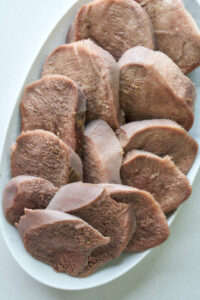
<point x="159" y="176"/>
<point x="55" y="103"/>
<point x="92" y="204"/>
<point x="95" y="71"/>
<point x="42" y="154"/>
<point x="60" y="240"/>
<point x="176" y="32"/>
<point x="26" y="192"/>
<point x="161" y="137"/>
<point x="152" y="86"/>
<point x="152" y="228"/>
<point x="102" y="154"/>
<point x="115" y="25"/>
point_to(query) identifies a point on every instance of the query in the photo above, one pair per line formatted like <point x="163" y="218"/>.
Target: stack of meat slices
<point x="104" y="148"/>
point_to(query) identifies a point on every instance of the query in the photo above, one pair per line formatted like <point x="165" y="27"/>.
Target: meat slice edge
<point x="42" y="154"/>
<point x="91" y="203"/>
<point x="151" y="223"/>
<point x="176" y="32"/>
<point x="153" y="87"/>
<point x="159" y="176"/>
<point x="60" y="240"/>
<point x="130" y="26"/>
<point x="102" y="154"/>
<point x="161" y="137"/>
<point x="55" y="103"/>
<point x="95" y="71"/>
<point x="26" y="192"/>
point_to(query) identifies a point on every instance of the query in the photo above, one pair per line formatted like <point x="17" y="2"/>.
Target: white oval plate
<point x="34" y="268"/>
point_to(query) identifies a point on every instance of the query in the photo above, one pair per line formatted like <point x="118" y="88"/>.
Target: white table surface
<point x="171" y="271"/>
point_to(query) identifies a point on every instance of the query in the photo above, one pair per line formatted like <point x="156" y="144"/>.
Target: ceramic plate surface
<point x="125" y="262"/>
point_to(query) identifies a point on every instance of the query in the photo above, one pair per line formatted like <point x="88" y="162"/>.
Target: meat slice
<point x="92" y="204"/>
<point x="157" y="175"/>
<point x="95" y="71"/>
<point x="115" y="25"/>
<point x="26" y="192"/>
<point x="161" y="137"/>
<point x="176" y="32"/>
<point x="55" y="103"/>
<point x="152" y="86"/>
<point x="102" y="154"/>
<point x="152" y="228"/>
<point x="42" y="154"/>
<point x="59" y="240"/>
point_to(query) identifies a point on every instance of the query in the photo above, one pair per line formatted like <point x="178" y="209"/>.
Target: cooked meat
<point x="157" y="175"/>
<point x="152" y="86"/>
<point x="41" y="153"/>
<point x="161" y="137"/>
<point x="102" y="154"/>
<point x="26" y="192"/>
<point x="176" y="32"/>
<point x="152" y="228"/>
<point x="59" y="240"/>
<point x="55" y="103"/>
<point x="96" y="72"/>
<point x="115" y="25"/>
<point x="92" y="204"/>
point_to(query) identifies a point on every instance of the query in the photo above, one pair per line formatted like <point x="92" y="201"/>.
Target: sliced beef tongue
<point x="176" y="32"/>
<point x="103" y="153"/>
<point x="60" y="240"/>
<point x="41" y="153"/>
<point x="115" y="25"/>
<point x="151" y="223"/>
<point x="95" y="71"/>
<point x="153" y="87"/>
<point x="159" y="176"/>
<point x="26" y="192"/>
<point x="161" y="137"/>
<point x="55" y="103"/>
<point x="91" y="203"/>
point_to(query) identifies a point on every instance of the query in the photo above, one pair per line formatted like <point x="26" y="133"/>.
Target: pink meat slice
<point x="115" y="25"/>
<point x="161" y="137"/>
<point x="55" y="103"/>
<point x="176" y="32"/>
<point x="151" y="223"/>
<point x="58" y="239"/>
<point x="42" y="154"/>
<point x="95" y="71"/>
<point x="153" y="87"/>
<point x="92" y="204"/>
<point x="26" y="192"/>
<point x="159" y="176"/>
<point x="102" y="154"/>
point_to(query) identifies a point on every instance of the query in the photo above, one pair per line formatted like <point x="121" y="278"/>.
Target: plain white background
<point x="171" y="271"/>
